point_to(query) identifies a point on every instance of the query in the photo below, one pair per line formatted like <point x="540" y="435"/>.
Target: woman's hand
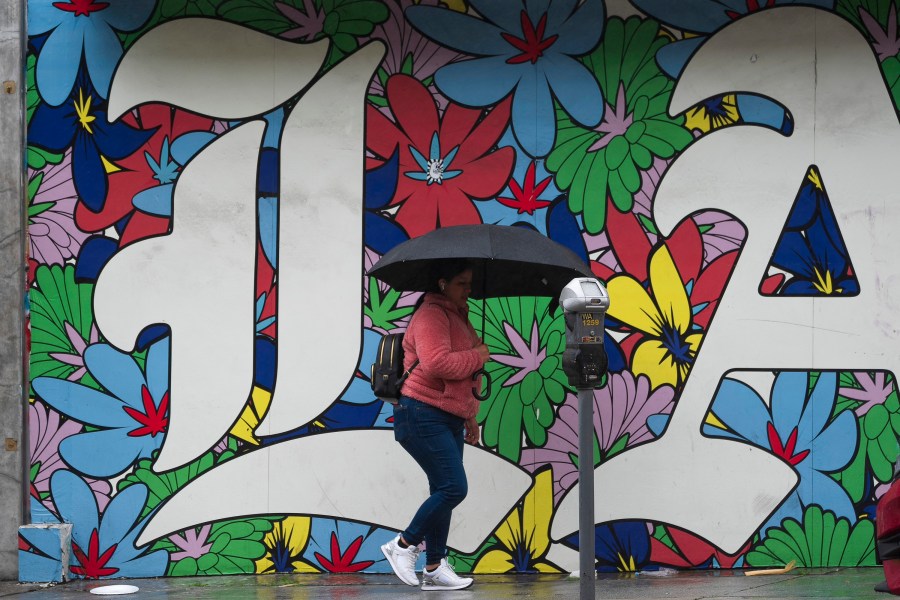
<point x="483" y="353"/>
<point x="473" y="433"/>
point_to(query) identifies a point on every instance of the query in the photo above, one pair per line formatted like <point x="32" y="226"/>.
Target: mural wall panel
<point x="209" y="181"/>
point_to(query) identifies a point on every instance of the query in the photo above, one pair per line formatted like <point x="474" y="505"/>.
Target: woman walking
<point x="434" y="417"/>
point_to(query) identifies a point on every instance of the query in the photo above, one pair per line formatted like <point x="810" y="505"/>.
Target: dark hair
<point x="445" y="269"/>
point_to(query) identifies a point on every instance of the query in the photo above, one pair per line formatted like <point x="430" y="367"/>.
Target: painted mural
<point x="208" y="182"/>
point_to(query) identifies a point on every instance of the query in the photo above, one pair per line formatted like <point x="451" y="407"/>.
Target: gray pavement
<point x="831" y="584"/>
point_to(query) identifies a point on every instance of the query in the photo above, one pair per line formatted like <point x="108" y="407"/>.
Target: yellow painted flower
<point x="252" y="414"/>
<point x="524" y="538"/>
<point x="284" y="547"/>
<point x="712" y="114"/>
<point x="662" y="315"/>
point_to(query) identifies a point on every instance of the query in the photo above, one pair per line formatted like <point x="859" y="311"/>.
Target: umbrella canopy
<point x="507" y="261"/>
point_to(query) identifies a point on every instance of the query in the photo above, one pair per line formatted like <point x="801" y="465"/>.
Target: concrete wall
<point x="13" y="478"/>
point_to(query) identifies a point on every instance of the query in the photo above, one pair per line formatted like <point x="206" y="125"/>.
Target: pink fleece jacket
<point x="442" y="339"/>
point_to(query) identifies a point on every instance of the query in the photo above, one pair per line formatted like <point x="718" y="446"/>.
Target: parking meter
<point x="584" y="301"/>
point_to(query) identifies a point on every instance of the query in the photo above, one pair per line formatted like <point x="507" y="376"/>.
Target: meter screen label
<point x="589" y="320"/>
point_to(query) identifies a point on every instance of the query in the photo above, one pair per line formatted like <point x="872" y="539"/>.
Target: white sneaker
<point x="403" y="560"/>
<point x="444" y="578"/>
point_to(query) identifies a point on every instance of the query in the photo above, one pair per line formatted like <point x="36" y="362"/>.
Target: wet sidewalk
<point x="831" y="584"/>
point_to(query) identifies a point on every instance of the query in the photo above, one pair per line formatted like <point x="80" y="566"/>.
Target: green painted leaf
<point x="822" y="540"/>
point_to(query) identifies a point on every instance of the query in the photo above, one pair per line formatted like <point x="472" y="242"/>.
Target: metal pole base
<point x="586" y="540"/>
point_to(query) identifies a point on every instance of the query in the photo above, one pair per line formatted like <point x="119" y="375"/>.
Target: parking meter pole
<point x="586" y="521"/>
<point x="584" y="302"/>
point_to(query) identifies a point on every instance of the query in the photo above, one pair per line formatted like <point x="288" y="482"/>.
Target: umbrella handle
<point x="477" y="392"/>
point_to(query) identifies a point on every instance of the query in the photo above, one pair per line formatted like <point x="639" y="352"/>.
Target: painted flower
<point x="103" y="546"/>
<point x="221" y="548"/>
<point x="683" y="549"/>
<point x="385" y="309"/>
<point x="284" y="547"/>
<point x="81" y="123"/>
<point x="667" y="343"/>
<point x="526" y="342"/>
<point x="140" y="190"/>
<point x="527" y="51"/>
<point x="620" y="547"/>
<point x="621" y="409"/>
<point x="606" y="161"/>
<point x="873" y="399"/>
<point x="528" y="195"/>
<point x="161" y="486"/>
<point x="337" y="546"/>
<point x="45" y="432"/>
<point x="811" y="250"/>
<point x="132" y="416"/>
<point x="266" y="295"/>
<point x="62" y="324"/>
<point x="381" y="232"/>
<point x="52" y="234"/>
<point x="878" y="21"/>
<point x="705" y="18"/>
<point x="81" y="29"/>
<point x="819" y="539"/>
<point x="796" y="425"/>
<point x="713" y="113"/>
<point x="445" y="162"/>
<point x="408" y="51"/>
<point x="523" y="539"/>
<point x="343" y="22"/>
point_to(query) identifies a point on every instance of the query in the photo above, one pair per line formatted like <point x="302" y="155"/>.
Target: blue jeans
<point x="434" y="438"/>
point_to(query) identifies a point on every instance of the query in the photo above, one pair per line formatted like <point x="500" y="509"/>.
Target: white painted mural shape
<point x="212" y="337"/>
<point x="816" y="65"/>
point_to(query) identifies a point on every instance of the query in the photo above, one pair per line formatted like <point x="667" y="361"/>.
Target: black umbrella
<point x="506" y="261"/>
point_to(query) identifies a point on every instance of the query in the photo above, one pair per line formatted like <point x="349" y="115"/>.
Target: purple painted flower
<point x="874" y="390"/>
<point x="79" y="345"/>
<point x="46" y="429"/>
<point x="620" y="421"/>
<point x="308" y="23"/>
<point x="194" y="543"/>
<point x="52" y="233"/>
<point x="408" y="51"/>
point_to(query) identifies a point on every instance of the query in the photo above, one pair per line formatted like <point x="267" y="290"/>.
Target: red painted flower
<point x="150" y="166"/>
<point x="525" y="197"/>
<point x="93" y="563"/>
<point x="81" y="7"/>
<point x="632" y="248"/>
<point x="153" y="420"/>
<point x="532" y="44"/>
<point x="445" y="162"/>
<point x="691" y="551"/>
<point x="342" y="562"/>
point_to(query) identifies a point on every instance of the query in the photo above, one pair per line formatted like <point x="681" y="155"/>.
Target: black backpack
<point x="387" y="370"/>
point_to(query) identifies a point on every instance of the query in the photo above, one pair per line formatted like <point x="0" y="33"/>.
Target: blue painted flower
<point x="132" y="416"/>
<point x="81" y="28"/>
<point x="381" y="232"/>
<point x="811" y="250"/>
<point x="816" y="266"/>
<point x="337" y="546"/>
<point x="705" y="17"/>
<point x="82" y="124"/>
<point x="623" y="546"/>
<point x="104" y="546"/>
<point x="796" y="426"/>
<point x="527" y="49"/>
